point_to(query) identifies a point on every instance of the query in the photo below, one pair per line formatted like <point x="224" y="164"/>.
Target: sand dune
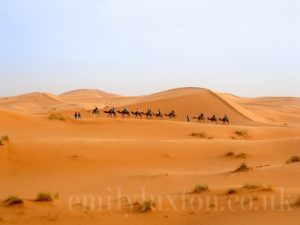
<point x="87" y="93"/>
<point x="192" y="102"/>
<point x="32" y="102"/>
<point x="165" y="158"/>
<point x="185" y="101"/>
<point x="276" y="110"/>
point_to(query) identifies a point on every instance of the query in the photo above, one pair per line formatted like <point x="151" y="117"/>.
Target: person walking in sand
<point x="75" y="115"/>
<point x="187" y="118"/>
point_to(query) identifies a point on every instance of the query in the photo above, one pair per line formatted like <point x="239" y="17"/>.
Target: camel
<point x="124" y="113"/>
<point x="96" y="111"/>
<point x="200" y="118"/>
<point x="148" y="114"/>
<point x="137" y="114"/>
<point x="225" y="120"/>
<point x="213" y="119"/>
<point x="158" y="115"/>
<point x="171" y="115"/>
<point x="111" y="113"/>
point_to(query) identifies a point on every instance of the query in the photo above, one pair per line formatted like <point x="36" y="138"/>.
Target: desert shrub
<point x="241" y="156"/>
<point x="4" y="139"/>
<point x="231" y="191"/>
<point x="243" y="168"/>
<point x="147" y="205"/>
<point x="293" y="159"/>
<point x="13" y="200"/>
<point x="57" y="116"/>
<point x="199" y="135"/>
<point x="251" y="186"/>
<point x="267" y="188"/>
<point x="200" y="188"/>
<point x="44" y="197"/>
<point x="257" y="187"/>
<point x="242" y="133"/>
<point x="229" y="154"/>
<point x="297" y="203"/>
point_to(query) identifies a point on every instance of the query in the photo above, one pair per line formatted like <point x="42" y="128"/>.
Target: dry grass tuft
<point x="147" y="205"/>
<point x="243" y="168"/>
<point x="57" y="116"/>
<point x="241" y="156"/>
<point x="251" y="186"/>
<point x="199" y="135"/>
<point x="293" y="159"/>
<point x="44" y="197"/>
<point x="257" y="187"/>
<point x="242" y="133"/>
<point x="231" y="191"/>
<point x="13" y="200"/>
<point x="229" y="154"/>
<point x="4" y="139"/>
<point x="297" y="203"/>
<point x="200" y="188"/>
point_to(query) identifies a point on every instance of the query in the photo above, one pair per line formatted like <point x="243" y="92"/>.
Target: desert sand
<point x="119" y="159"/>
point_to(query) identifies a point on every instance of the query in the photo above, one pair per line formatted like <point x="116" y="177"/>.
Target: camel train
<point x="125" y="113"/>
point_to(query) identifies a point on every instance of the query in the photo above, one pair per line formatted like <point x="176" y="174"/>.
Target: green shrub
<point x="13" y="200"/>
<point x="200" y="188"/>
<point x="44" y="197"/>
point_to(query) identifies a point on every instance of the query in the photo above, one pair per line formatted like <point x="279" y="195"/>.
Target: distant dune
<point x="81" y="93"/>
<point x="185" y="101"/>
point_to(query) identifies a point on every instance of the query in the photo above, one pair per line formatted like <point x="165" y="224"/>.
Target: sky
<point x="136" y="47"/>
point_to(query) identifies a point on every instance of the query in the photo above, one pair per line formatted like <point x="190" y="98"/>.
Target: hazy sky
<point x="132" y="47"/>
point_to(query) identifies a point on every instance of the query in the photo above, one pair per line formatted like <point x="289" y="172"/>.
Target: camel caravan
<point x="125" y="113"/>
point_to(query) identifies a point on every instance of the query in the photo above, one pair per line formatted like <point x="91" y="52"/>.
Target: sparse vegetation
<point x="241" y="156"/>
<point x="229" y="154"/>
<point x="297" y="203"/>
<point x="57" y="116"/>
<point x="4" y="139"/>
<point x="238" y="156"/>
<point x="199" y="135"/>
<point x="44" y="197"/>
<point x="293" y="159"/>
<point x="243" y="168"/>
<point x="242" y="133"/>
<point x="13" y="200"/>
<point x="257" y="187"/>
<point x="252" y="186"/>
<point x="231" y="191"/>
<point x="147" y="205"/>
<point x="200" y="188"/>
<point x="267" y="188"/>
